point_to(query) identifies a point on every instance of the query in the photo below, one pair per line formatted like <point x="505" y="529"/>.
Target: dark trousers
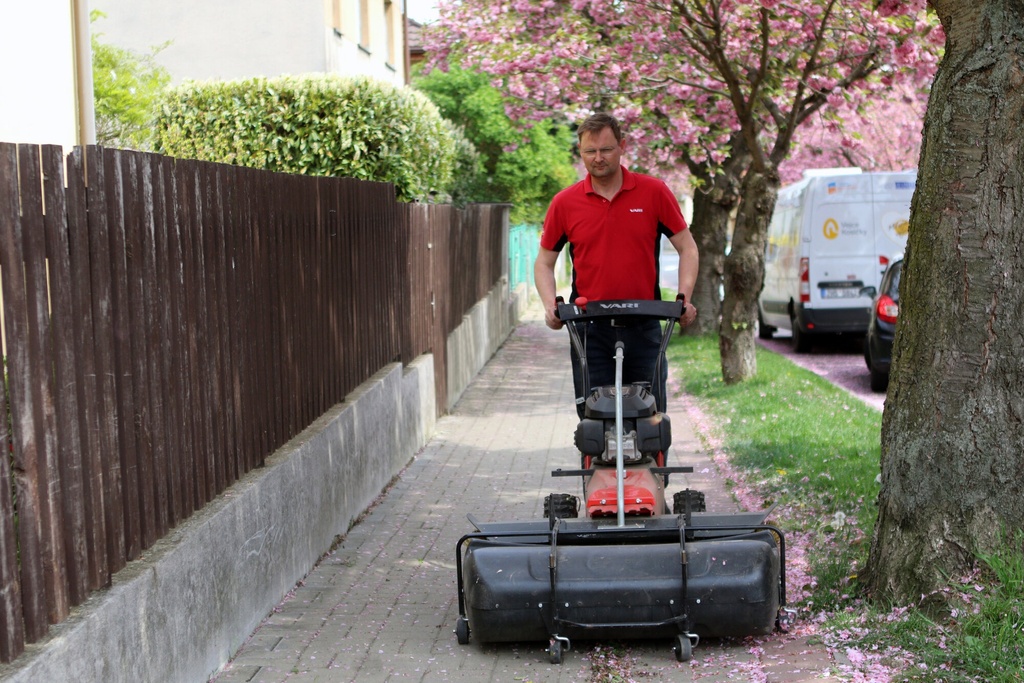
<point x="640" y="354"/>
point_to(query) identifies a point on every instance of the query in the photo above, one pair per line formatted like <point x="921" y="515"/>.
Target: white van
<point x="832" y="234"/>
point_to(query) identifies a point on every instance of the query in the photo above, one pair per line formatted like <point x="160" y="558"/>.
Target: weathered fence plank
<point x="155" y="299"/>
<point x="205" y="360"/>
<point x="248" y="336"/>
<point x="65" y="425"/>
<point x="172" y="346"/>
<point x="28" y="462"/>
<point x="85" y="361"/>
<point x="12" y="620"/>
<point x="193" y="472"/>
<point x="201" y="365"/>
<point x="122" y="232"/>
<point x="227" y="453"/>
<point x="136" y="421"/>
<point x="106" y="391"/>
<point x="41" y="373"/>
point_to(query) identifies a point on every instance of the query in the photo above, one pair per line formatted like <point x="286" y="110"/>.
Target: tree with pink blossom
<point x="722" y="85"/>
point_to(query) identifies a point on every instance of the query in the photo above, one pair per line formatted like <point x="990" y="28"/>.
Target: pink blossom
<point x="906" y="53"/>
<point x="559" y="59"/>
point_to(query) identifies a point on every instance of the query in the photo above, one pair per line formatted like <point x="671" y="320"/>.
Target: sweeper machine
<point x="616" y="562"/>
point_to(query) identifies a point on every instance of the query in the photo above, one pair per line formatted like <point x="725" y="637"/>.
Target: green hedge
<point x="315" y="125"/>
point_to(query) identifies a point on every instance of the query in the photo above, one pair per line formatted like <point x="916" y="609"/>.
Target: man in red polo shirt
<point x="613" y="221"/>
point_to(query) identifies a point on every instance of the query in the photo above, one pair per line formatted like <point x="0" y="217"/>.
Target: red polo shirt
<point x="614" y="245"/>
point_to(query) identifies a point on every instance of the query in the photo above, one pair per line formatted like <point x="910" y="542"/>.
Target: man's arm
<point x="544" y="278"/>
<point x="688" y="262"/>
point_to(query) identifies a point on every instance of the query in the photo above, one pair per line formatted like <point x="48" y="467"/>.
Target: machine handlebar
<point x="582" y="309"/>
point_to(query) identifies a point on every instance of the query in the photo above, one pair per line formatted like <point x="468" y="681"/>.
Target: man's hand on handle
<point x="551" y="316"/>
<point x="689" y="311"/>
<point x="688" y="316"/>
<point x="544" y="277"/>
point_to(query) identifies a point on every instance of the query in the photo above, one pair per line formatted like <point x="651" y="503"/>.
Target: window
<point x="389" y="23"/>
<point x="363" y="22"/>
<point x="336" y="21"/>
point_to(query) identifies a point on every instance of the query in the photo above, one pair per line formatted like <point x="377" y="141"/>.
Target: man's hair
<point x="595" y="123"/>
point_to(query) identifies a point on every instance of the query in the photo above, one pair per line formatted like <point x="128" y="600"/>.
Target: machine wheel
<point x="785" y="620"/>
<point x="696" y="498"/>
<point x="561" y="506"/>
<point x="555" y="650"/>
<point x="462" y="630"/>
<point x="683" y="648"/>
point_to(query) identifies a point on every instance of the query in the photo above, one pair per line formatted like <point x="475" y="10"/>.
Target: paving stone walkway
<point x="382" y="605"/>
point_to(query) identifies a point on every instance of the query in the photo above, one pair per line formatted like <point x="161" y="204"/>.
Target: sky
<point x="422" y="11"/>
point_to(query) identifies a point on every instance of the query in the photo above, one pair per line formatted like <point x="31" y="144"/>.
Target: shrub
<point x="327" y="125"/>
<point x="126" y="92"/>
<point x="520" y="163"/>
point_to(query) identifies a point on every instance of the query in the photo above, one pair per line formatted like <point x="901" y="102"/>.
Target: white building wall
<point x="233" y="39"/>
<point x="219" y="39"/>
<point x="368" y="39"/>
<point x="37" y="73"/>
<point x="349" y="59"/>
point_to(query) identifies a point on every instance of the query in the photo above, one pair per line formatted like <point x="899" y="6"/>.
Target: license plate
<point x="840" y="293"/>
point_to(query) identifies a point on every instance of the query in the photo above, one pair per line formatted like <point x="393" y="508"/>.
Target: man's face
<point x="601" y="153"/>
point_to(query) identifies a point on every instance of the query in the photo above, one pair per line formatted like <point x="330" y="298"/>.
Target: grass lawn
<point x="795" y="439"/>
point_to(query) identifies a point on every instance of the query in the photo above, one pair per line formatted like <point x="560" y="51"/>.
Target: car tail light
<point x="883" y="261"/>
<point x="805" y="280"/>
<point x="887" y="309"/>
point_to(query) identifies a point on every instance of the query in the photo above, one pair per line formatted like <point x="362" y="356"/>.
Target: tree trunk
<point x="713" y="205"/>
<point x="710" y="230"/>
<point x="952" y="460"/>
<point x="744" y="275"/>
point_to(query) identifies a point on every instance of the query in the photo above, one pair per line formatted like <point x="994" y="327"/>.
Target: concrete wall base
<point x="483" y="330"/>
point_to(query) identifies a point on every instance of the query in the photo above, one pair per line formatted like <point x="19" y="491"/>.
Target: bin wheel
<point x="462" y="630"/>
<point x="555" y="650"/>
<point x="561" y="506"/>
<point x="683" y="648"/>
<point x="696" y="498"/>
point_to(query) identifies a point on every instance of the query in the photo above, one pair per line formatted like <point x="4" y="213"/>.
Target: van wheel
<point x="764" y="330"/>
<point x="879" y="380"/>
<point x="801" y="340"/>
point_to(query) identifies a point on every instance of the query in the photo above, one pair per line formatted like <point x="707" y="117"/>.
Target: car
<point x="885" y="309"/>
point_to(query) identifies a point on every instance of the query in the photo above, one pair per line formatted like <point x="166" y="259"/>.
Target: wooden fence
<point x="168" y="324"/>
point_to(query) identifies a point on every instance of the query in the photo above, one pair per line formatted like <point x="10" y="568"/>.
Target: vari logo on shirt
<point x="636" y="210"/>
